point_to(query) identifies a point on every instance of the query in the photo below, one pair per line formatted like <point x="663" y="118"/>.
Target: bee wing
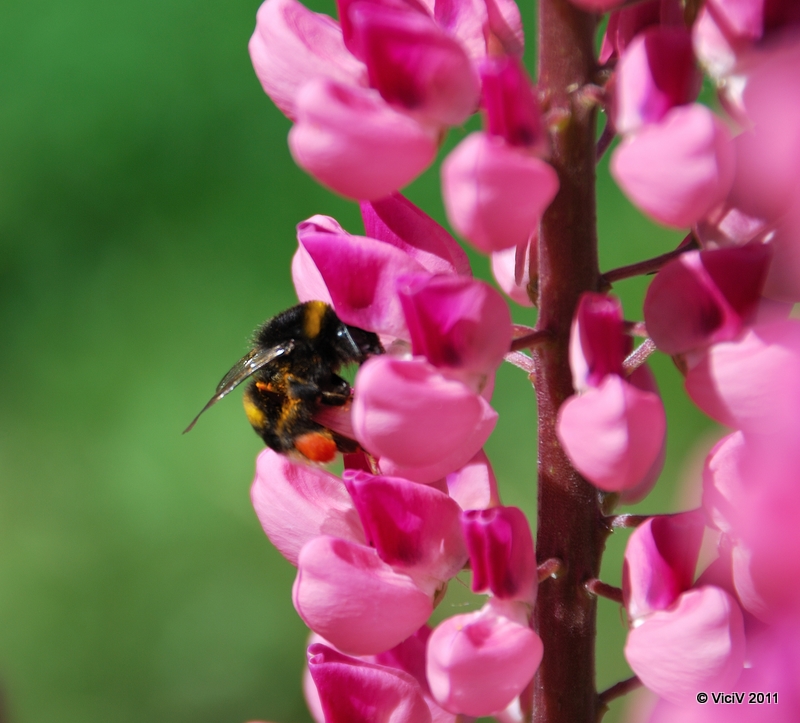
<point x="248" y="365"/>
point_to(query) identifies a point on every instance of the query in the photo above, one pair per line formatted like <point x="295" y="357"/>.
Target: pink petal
<point x="771" y="152"/>
<point x="296" y="503"/>
<point x="292" y="45"/>
<point x="747" y="590"/>
<point x="743" y="18"/>
<point x="612" y="434"/>
<point x="479" y="662"/>
<point x="397" y="221"/>
<point x="644" y="379"/>
<point x="495" y="194"/>
<point x="344" y="592"/>
<point x="415" y="528"/>
<point x="715" y="49"/>
<point x="752" y="383"/>
<point x="679" y="169"/>
<point x="409" y="656"/>
<point x="704" y="297"/>
<point x="511" y="271"/>
<point x="309" y="688"/>
<point x="361" y="275"/>
<point x="421" y="424"/>
<point x="697" y="645"/>
<point x="512" y="108"/>
<point x="350" y="140"/>
<point x="783" y="279"/>
<point x="414" y="65"/>
<point x="501" y="553"/>
<point x="456" y="322"/>
<point x="478" y="22"/>
<point x="768" y="518"/>
<point x="354" y="691"/>
<point x="308" y="282"/>
<point x="625" y="24"/>
<point x="597" y="6"/>
<point x="346" y="17"/>
<point x="660" y="561"/>
<point x="722" y="481"/>
<point x="598" y="345"/>
<point x="656" y="73"/>
<point x="474" y="486"/>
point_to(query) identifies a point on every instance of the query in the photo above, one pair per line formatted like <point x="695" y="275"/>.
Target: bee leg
<point x="337" y="393"/>
<point x="303" y="390"/>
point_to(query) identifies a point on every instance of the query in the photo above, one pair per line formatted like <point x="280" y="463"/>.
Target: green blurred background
<point x="147" y="213"/>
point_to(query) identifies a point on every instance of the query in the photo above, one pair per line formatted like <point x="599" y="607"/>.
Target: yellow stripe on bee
<point x="254" y="414"/>
<point x="312" y="322"/>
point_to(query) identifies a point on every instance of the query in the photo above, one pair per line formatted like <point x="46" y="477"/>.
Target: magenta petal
<point x="597" y="345"/>
<point x="697" y="645"/>
<point x="347" y="594"/>
<point x="479" y="662"/>
<point x="350" y="140"/>
<point x="752" y="383"/>
<point x="414" y="65"/>
<point x="624" y="25"/>
<point x="660" y="560"/>
<point x="495" y="194"/>
<point x="361" y="275"/>
<point x="476" y="22"/>
<point x="512" y="108"/>
<point x="354" y="691"/>
<point x="421" y="424"/>
<point x="704" y="297"/>
<point x="292" y="45"/>
<point x="308" y="282"/>
<point x="415" y="528"/>
<point x="474" y="486"/>
<point x="613" y="434"/>
<point x="295" y="503"/>
<point x="656" y="73"/>
<point x="501" y="553"/>
<point x="506" y="264"/>
<point x="399" y="222"/>
<point x="679" y="169"/>
<point x="456" y="322"/>
<point x="597" y="6"/>
<point x="348" y="28"/>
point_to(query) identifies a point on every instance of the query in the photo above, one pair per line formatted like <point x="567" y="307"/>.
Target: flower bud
<point x="501" y="553"/>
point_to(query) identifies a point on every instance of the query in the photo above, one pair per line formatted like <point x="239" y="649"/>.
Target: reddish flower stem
<point x="550" y="568"/>
<point x="570" y="525"/>
<point x="531" y="340"/>
<point x="620" y="521"/>
<point x="649" y="266"/>
<point x="603" y="589"/>
<point x="617" y="691"/>
<point x="604" y="142"/>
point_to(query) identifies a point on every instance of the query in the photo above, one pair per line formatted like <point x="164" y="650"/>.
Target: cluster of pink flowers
<point x="375" y="551"/>
<point x="371" y="98"/>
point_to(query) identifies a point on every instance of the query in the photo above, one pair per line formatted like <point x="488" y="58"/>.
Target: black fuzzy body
<point x="283" y="397"/>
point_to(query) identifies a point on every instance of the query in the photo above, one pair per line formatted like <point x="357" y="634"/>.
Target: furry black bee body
<point x="293" y="370"/>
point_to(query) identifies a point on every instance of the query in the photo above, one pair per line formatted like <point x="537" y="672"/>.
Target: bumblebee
<point x="294" y="365"/>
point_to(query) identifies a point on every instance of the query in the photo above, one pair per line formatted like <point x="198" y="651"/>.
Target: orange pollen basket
<point x="316" y="446"/>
